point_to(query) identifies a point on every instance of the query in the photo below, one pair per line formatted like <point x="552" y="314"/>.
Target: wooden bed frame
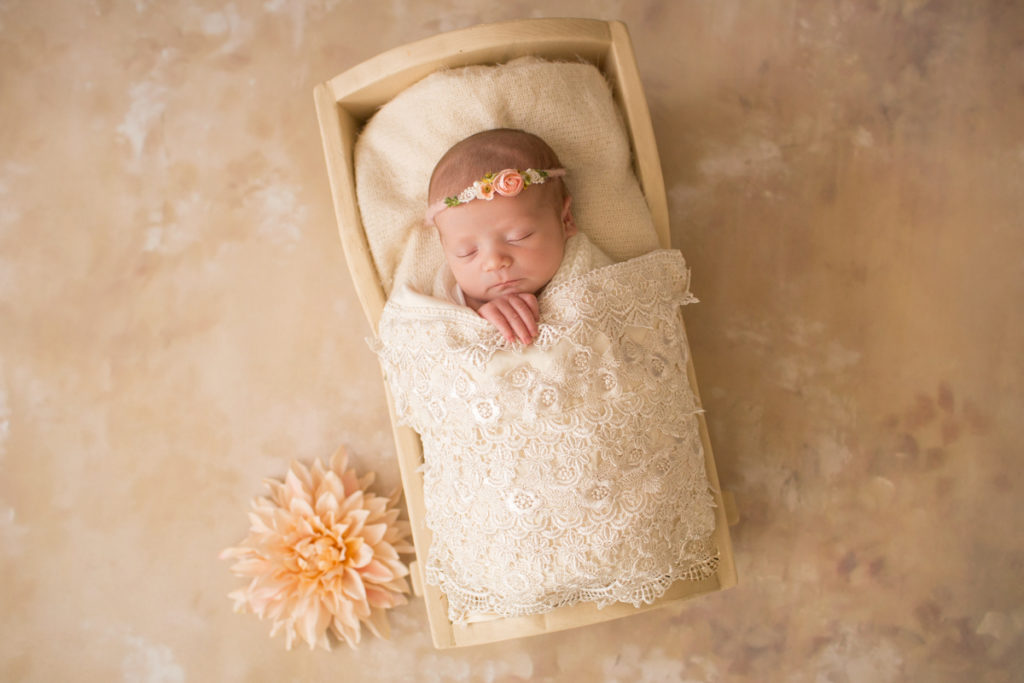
<point x="344" y="104"/>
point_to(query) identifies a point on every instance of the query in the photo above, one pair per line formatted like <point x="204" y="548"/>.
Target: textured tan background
<point x="176" y="323"/>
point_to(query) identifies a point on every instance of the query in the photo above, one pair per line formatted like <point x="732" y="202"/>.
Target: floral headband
<point x="507" y="183"/>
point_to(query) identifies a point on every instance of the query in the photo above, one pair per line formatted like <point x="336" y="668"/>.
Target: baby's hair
<point x="488" y="152"/>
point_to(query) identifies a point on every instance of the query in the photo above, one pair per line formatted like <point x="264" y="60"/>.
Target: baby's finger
<point x="515" y="319"/>
<point x="496" y="317"/>
<point x="531" y="301"/>
<point x="525" y="314"/>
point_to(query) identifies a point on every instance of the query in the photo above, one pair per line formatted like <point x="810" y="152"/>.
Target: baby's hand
<point x="515" y="316"/>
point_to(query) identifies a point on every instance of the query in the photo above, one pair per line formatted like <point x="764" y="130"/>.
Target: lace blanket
<point x="571" y="470"/>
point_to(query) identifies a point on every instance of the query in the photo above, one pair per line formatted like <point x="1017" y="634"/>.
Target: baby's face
<point x="506" y="245"/>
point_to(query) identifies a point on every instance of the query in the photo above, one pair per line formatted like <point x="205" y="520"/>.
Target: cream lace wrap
<point x="571" y="470"/>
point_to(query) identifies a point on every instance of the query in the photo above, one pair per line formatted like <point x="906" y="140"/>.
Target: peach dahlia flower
<point x="322" y="554"/>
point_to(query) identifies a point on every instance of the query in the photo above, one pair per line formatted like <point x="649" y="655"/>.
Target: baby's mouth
<point x="505" y="284"/>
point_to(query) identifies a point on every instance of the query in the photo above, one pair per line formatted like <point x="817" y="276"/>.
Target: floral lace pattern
<point x="570" y="470"/>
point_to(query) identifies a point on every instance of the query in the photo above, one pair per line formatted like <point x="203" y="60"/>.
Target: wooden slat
<point x="629" y="94"/>
<point x="338" y="130"/>
<point x="364" y="88"/>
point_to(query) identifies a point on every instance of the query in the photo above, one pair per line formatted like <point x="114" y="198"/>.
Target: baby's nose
<point x="496" y="259"/>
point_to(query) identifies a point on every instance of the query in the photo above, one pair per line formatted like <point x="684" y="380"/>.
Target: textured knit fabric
<point x="569" y="105"/>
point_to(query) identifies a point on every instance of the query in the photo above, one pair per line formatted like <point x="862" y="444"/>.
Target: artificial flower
<point x="509" y="182"/>
<point x="484" y="188"/>
<point x="322" y="555"/>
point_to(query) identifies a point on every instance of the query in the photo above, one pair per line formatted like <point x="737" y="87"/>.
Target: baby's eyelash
<point x="520" y="239"/>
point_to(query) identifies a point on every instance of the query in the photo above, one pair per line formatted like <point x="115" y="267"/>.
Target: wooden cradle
<point x="344" y="104"/>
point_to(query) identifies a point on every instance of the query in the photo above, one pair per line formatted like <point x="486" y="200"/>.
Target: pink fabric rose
<point x="508" y="183"/>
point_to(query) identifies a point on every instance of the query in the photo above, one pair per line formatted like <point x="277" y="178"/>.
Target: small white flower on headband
<point x="507" y="183"/>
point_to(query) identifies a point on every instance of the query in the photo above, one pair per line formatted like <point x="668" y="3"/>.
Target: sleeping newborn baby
<point x="562" y="457"/>
<point x="504" y="249"/>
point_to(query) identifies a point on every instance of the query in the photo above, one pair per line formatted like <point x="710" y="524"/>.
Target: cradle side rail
<point x="346" y="102"/>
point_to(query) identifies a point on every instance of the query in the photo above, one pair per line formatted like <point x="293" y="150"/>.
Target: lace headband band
<point x="507" y="183"/>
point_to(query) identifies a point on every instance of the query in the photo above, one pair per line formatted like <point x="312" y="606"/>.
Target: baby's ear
<point x="568" y="222"/>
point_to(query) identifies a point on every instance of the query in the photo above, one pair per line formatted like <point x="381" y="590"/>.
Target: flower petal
<point x="332" y="483"/>
<point x="307" y="625"/>
<point x="350" y="482"/>
<point x="374" y="533"/>
<point x="352" y="585"/>
<point x="327" y="505"/>
<point x="346" y="625"/>
<point x="355" y="519"/>
<point x="339" y="461"/>
<point x="398" y="585"/>
<point x="376" y="572"/>
<point x="361" y="556"/>
<point x="380" y="598"/>
<point x="396" y="566"/>
<point x="297" y="481"/>
<point x="378" y="624"/>
<point x="300" y="506"/>
<point x="385" y="551"/>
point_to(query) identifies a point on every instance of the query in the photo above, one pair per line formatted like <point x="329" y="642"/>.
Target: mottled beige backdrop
<point x="177" y="323"/>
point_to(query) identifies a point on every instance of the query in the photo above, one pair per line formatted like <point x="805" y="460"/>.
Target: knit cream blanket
<point x="568" y="104"/>
<point x="570" y="470"/>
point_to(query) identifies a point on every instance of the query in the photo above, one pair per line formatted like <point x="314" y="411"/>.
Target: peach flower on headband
<point x="508" y="183"/>
<point x="484" y="189"/>
<point x="322" y="555"/>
